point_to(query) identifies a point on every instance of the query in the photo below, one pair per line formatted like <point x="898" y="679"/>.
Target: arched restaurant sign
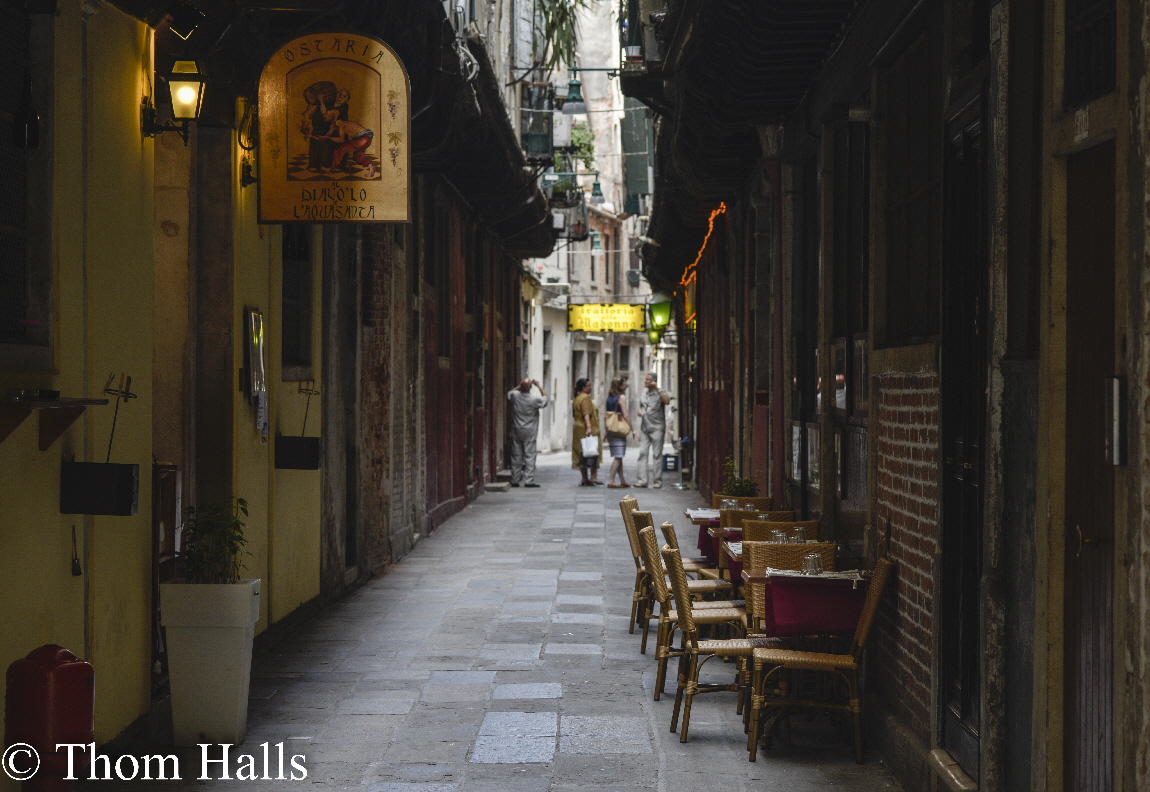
<point x="334" y="131"/>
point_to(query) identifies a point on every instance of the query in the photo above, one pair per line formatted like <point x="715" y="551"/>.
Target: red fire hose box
<point x="50" y="700"/>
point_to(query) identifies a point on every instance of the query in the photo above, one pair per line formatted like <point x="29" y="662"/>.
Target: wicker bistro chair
<point x="629" y="507"/>
<point x="770" y="661"/>
<point x="642" y="592"/>
<point x="735" y="520"/>
<point x="641" y="595"/>
<point x="768" y="555"/>
<point x="790" y="556"/>
<point x="707" y="583"/>
<point x="700" y="587"/>
<point x="761" y="504"/>
<point x="696" y="652"/>
<point x="652" y="561"/>
<point x="714" y="612"/>
<point x="760" y="530"/>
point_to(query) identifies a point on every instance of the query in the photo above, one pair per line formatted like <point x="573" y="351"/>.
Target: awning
<point x="744" y="64"/>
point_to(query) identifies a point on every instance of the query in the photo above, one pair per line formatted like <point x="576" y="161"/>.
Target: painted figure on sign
<point x="316" y="125"/>
<point x="352" y="138"/>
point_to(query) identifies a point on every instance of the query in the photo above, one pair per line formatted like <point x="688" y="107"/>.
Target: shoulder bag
<point x="617" y="425"/>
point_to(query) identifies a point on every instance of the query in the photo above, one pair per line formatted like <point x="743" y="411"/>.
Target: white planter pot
<point x="209" y="629"/>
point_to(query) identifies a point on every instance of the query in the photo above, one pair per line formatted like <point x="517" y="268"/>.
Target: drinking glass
<point x="798" y="536"/>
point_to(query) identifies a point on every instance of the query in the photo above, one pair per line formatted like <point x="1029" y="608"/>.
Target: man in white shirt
<point x="652" y="430"/>
<point x="525" y="409"/>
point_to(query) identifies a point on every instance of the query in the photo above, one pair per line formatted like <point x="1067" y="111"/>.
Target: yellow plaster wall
<point x="103" y="244"/>
<point x="120" y="340"/>
<point x="103" y="305"/>
<point x="283" y="505"/>
<point x="251" y="458"/>
<point x="294" y="555"/>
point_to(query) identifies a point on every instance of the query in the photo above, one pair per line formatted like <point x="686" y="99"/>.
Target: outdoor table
<point x="798" y="603"/>
<point x="735" y="559"/>
<point x="705" y="519"/>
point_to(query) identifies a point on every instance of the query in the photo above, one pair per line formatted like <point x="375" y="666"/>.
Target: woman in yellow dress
<point x="585" y="423"/>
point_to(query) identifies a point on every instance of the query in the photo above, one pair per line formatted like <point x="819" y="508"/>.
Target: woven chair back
<point x="790" y="556"/>
<point x="682" y="596"/>
<point x="628" y="506"/>
<point x="882" y="572"/>
<point x="755" y="557"/>
<point x="762" y="504"/>
<point x="760" y="530"/>
<point x="669" y="534"/>
<point x="654" y="564"/>
<point x="734" y="518"/>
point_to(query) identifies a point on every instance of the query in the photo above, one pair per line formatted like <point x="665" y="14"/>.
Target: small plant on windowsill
<point x="735" y="486"/>
<point x="213" y="542"/>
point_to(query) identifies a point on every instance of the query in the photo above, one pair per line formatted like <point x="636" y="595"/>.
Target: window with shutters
<point x="297" y="303"/>
<point x="26" y="277"/>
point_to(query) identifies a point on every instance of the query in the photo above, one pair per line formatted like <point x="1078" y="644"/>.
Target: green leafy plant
<point x="583" y="143"/>
<point x="214" y="542"/>
<point x="555" y="31"/>
<point x="735" y="486"/>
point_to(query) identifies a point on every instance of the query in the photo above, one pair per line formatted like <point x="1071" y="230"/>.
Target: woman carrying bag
<point x="618" y="427"/>
<point x="585" y="426"/>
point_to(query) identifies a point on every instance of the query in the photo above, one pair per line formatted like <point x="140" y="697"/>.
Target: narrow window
<point x="1089" y="60"/>
<point x="297" y="298"/>
<point x="914" y="195"/>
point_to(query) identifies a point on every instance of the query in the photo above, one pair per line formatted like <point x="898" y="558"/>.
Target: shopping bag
<point x="589" y="446"/>
<point x="617" y="425"/>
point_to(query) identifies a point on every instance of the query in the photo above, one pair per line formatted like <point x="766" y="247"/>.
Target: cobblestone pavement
<point x="496" y="658"/>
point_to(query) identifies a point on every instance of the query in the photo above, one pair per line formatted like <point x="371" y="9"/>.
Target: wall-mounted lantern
<point x="186" y="86"/>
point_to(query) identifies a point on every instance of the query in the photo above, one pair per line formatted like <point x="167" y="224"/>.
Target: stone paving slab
<point x="514" y="674"/>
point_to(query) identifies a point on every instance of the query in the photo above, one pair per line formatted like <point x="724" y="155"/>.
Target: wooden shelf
<point x="56" y="415"/>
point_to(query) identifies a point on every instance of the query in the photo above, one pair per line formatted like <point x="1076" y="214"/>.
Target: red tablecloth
<point x="809" y="605"/>
<point x="707" y="544"/>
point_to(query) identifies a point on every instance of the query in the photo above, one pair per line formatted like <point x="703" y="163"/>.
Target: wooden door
<point x="1090" y="361"/>
<point x="963" y="422"/>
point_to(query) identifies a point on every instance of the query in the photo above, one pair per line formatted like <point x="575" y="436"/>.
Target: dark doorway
<point x="963" y="419"/>
<point x="1090" y="361"/>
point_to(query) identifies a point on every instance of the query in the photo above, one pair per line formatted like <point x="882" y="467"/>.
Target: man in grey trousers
<point x="652" y="430"/>
<point x="525" y="409"/>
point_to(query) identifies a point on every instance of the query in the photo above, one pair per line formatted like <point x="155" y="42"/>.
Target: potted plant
<point x="735" y="486"/>
<point x="209" y="617"/>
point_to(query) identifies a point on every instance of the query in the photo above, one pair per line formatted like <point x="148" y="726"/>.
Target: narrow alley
<point x="294" y="292"/>
<point x="495" y="658"/>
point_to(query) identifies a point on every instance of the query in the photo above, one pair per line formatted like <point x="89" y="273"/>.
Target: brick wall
<point x="907" y="525"/>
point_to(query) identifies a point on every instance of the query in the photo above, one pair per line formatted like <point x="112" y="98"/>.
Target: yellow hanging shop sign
<point x="606" y="317"/>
